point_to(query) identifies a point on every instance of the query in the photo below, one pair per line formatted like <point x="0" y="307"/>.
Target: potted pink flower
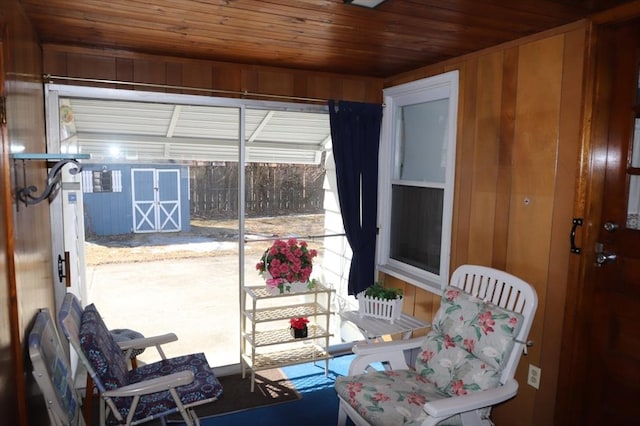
<point x="286" y="263"/>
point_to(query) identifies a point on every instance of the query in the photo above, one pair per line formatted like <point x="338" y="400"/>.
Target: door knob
<point x="603" y="257"/>
<point x="610" y="226"/>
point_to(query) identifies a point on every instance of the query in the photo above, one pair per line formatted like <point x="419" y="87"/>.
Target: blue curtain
<point x="355" y="135"/>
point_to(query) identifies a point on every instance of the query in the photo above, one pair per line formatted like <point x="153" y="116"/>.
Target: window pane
<point x="635" y="150"/>
<point x="633" y="208"/>
<point x="638" y="91"/>
<point x="423" y="141"/>
<point x="417" y="241"/>
<point x="417" y="152"/>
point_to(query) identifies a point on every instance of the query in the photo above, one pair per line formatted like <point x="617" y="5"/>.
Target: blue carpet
<point x="317" y="407"/>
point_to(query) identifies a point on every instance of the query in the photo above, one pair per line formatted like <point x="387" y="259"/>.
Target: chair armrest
<point x="153" y="385"/>
<point x="390" y="353"/>
<point x="447" y="407"/>
<point x="147" y="342"/>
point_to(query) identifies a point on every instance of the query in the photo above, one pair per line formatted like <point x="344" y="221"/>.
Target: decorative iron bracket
<point x="56" y="163"/>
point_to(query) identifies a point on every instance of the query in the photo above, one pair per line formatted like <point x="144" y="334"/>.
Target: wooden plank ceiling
<point x="319" y="35"/>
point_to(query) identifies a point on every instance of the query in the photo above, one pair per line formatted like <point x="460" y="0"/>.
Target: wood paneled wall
<point x="519" y="137"/>
<point x="25" y="240"/>
<point x="219" y="76"/>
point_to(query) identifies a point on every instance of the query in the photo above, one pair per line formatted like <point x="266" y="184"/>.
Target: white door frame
<point x="66" y="212"/>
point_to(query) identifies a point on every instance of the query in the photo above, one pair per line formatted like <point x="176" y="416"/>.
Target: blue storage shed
<point x="135" y="198"/>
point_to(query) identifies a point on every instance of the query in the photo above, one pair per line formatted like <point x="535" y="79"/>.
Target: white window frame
<point x="429" y="89"/>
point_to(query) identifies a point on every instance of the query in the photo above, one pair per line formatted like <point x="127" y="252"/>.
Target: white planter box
<point x="379" y="308"/>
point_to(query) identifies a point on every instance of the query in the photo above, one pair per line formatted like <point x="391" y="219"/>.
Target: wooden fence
<point x="271" y="189"/>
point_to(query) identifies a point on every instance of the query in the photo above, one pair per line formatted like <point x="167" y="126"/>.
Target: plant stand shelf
<point x="276" y="359"/>
<point x="266" y="339"/>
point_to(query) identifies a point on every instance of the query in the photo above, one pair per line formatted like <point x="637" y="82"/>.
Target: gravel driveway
<point x="207" y="238"/>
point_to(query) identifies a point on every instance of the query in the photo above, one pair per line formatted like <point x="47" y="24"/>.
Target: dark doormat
<point x="271" y="387"/>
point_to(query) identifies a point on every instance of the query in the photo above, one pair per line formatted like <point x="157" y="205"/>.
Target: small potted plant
<point x="298" y="327"/>
<point x="379" y="291"/>
<point x="382" y="302"/>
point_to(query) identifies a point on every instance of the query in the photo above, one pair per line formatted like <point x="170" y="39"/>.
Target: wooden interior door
<point x="612" y="348"/>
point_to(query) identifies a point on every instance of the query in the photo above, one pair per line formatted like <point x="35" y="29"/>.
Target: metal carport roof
<point x="115" y="130"/>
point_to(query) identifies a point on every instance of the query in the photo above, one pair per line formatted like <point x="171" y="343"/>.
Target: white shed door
<point x="156" y="200"/>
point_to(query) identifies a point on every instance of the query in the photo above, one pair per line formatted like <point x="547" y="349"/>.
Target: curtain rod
<point x="307" y="237"/>
<point x="48" y="78"/>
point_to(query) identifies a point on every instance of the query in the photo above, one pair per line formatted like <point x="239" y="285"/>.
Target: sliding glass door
<point x="160" y="199"/>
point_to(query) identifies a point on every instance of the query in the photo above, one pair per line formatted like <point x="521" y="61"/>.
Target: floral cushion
<point x="463" y="353"/>
<point x="204" y="388"/>
<point x="101" y="349"/>
<point x="389" y="397"/>
<point x="452" y="369"/>
<point x="468" y="344"/>
<point x="109" y="363"/>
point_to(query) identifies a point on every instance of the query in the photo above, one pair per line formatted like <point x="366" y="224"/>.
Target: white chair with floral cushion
<point x="465" y="365"/>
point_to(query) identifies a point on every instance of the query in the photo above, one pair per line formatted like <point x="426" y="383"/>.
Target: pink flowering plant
<point x="286" y="262"/>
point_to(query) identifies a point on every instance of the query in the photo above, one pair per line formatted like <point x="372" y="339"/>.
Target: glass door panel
<point x="290" y="192"/>
<point x="188" y="280"/>
<point x="633" y="209"/>
<point x="181" y="274"/>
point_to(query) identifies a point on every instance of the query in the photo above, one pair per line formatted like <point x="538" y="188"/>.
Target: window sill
<point x="420" y="282"/>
